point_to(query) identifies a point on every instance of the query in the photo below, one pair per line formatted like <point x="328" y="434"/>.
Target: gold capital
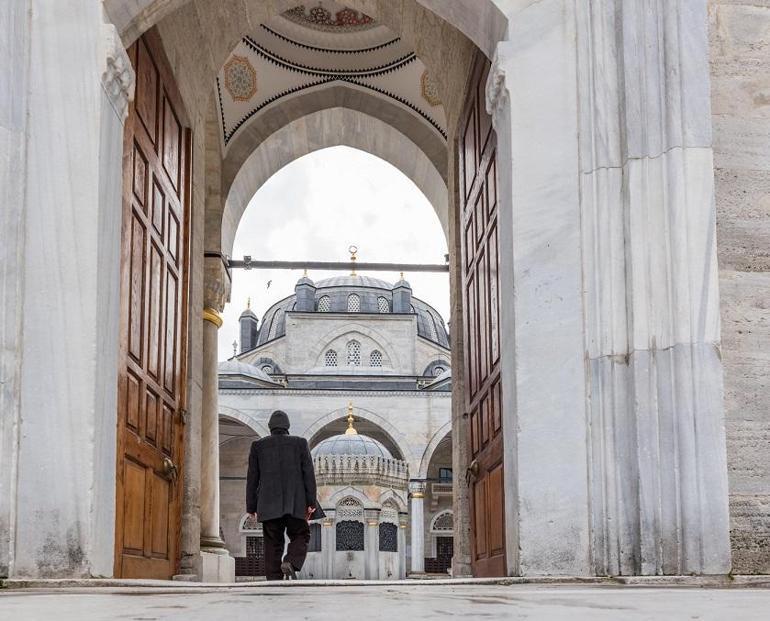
<point x="212" y="315"/>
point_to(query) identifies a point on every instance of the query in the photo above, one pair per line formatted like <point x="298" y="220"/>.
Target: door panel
<point x="154" y="268"/>
<point x="483" y="398"/>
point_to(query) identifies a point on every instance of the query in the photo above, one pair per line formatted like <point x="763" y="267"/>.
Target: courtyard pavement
<point x="394" y="602"/>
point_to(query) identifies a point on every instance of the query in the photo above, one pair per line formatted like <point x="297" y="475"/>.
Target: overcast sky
<point x="314" y="209"/>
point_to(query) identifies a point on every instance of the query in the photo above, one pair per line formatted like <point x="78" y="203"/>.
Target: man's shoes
<point x="288" y="571"/>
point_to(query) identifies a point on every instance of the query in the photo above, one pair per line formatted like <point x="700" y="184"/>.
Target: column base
<point x="216" y="566"/>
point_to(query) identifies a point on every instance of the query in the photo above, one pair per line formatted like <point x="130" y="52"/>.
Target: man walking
<point x="281" y="493"/>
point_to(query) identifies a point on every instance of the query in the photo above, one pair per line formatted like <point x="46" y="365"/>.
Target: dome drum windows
<point x="324" y="304"/>
<point x="354" y="303"/>
<point x="354" y="353"/>
<point x="382" y="305"/>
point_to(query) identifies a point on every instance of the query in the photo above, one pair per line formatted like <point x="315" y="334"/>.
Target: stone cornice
<point x="118" y="78"/>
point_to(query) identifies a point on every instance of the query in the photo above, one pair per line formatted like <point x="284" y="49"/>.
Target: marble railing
<point x="336" y="469"/>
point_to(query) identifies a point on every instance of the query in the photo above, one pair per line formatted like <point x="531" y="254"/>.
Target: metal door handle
<point x="472" y="472"/>
<point x="170" y="470"/>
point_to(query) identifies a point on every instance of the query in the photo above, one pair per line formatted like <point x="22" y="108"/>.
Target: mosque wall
<point x="740" y="105"/>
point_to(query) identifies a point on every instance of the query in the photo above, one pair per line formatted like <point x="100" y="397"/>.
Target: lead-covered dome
<point x="351" y="444"/>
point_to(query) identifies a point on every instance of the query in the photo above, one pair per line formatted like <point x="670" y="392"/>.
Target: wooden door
<point x="478" y="191"/>
<point x="154" y="275"/>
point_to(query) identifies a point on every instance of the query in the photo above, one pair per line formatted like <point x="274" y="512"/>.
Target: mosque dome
<point x="354" y="293"/>
<point x="351" y="444"/>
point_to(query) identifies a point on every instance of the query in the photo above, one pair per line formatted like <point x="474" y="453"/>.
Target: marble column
<point x="417" y="511"/>
<point x="60" y="227"/>
<point x="216" y="563"/>
<point x="403" y="521"/>
<point x="372" y="544"/>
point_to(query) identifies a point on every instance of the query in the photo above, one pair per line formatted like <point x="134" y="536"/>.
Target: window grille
<point x="375" y="358"/>
<point x="354" y="353"/>
<point x="438" y="371"/>
<point x="382" y="304"/>
<point x="324" y="304"/>
<point x="388" y="537"/>
<point x="444" y="522"/>
<point x="267" y="368"/>
<point x="330" y="358"/>
<point x="350" y="536"/>
<point x="354" y="303"/>
<point x="250" y="523"/>
<point x="315" y="538"/>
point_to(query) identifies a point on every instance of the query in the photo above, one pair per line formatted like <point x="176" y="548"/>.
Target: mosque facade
<point x="362" y="368"/>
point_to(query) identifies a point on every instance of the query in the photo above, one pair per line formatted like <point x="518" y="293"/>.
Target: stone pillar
<point x="328" y="543"/>
<point x="372" y="544"/>
<point x="216" y="563"/>
<point x="60" y="227"/>
<point x="403" y="521"/>
<point x="417" y="511"/>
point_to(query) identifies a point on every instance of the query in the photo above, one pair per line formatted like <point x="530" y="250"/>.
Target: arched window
<point x="267" y="368"/>
<point x="354" y="303"/>
<point x="330" y="358"/>
<point x="354" y="353"/>
<point x="375" y="358"/>
<point x="324" y="304"/>
<point x="443" y="522"/>
<point x="438" y="371"/>
<point x="382" y="304"/>
<point x="249" y="523"/>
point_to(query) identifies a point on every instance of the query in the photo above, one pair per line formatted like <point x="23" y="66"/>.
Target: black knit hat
<point x="279" y="420"/>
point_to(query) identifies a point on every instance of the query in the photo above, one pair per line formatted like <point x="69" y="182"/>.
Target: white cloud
<point x="317" y="206"/>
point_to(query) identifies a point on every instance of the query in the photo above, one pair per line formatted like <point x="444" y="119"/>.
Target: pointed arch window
<point x="330" y="358"/>
<point x="382" y="304"/>
<point x="354" y="353"/>
<point x="375" y="358"/>
<point x="324" y="304"/>
<point x="354" y="303"/>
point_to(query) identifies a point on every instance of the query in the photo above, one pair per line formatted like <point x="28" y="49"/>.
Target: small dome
<point x="305" y="280"/>
<point x="234" y="367"/>
<point x="351" y="444"/>
<point x="402" y="282"/>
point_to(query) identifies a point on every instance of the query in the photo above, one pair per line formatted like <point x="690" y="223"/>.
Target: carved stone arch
<point x="350" y="492"/>
<point x="258" y="428"/>
<point x="392" y="497"/>
<point x="354" y="329"/>
<point x="444" y="431"/>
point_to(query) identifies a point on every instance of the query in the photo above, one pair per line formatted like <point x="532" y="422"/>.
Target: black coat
<point x="281" y="478"/>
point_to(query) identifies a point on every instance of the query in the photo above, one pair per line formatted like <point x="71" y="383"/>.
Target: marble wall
<point x="740" y="101"/>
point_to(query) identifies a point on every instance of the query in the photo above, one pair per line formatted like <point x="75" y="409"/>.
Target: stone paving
<point x="396" y="602"/>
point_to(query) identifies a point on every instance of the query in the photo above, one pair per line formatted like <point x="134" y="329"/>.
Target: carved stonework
<point x="118" y="77"/>
<point x="496" y="91"/>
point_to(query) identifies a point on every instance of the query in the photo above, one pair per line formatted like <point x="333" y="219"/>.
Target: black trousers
<point x="299" y="538"/>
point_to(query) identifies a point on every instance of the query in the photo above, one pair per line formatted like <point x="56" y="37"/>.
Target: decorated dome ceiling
<point x="316" y="45"/>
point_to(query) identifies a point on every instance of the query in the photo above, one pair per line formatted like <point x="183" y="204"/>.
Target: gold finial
<point x="353" y="250"/>
<point x="305" y="272"/>
<point x="248" y="303"/>
<point x="350" y="431"/>
<point x="402" y="275"/>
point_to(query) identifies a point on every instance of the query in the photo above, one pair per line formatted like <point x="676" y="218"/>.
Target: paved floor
<point x="395" y="603"/>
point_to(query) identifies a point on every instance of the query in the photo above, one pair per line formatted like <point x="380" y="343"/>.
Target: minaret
<point x="249" y="328"/>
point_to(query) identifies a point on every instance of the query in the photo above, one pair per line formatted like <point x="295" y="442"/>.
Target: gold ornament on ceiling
<point x="339" y="19"/>
<point x="429" y="89"/>
<point x="240" y="78"/>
